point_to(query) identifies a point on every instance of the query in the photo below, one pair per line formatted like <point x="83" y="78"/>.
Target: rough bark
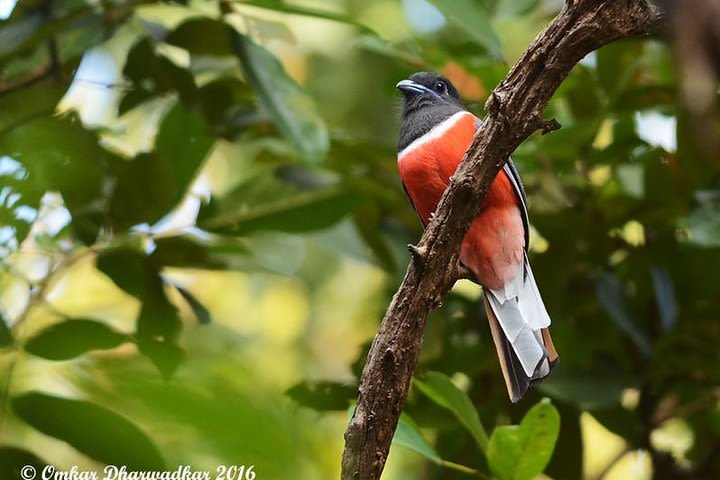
<point x="514" y="113"/>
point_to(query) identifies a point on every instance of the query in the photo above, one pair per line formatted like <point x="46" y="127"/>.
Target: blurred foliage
<point x="201" y="224"/>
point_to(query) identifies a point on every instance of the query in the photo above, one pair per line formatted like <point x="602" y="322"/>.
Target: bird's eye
<point x="439" y="87"/>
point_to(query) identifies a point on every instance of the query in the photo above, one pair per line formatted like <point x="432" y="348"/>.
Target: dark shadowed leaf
<point x="183" y="251"/>
<point x="520" y="452"/>
<point x="129" y="269"/>
<point x="472" y="18"/>
<point x="95" y="431"/>
<point x="158" y="326"/>
<point x="202" y="313"/>
<point x="153" y="183"/>
<point x="5" y="334"/>
<point x="613" y="299"/>
<point x="203" y="36"/>
<point x="323" y="395"/>
<point x="164" y="354"/>
<point x="152" y="75"/>
<point x="567" y="459"/>
<point x="293" y="111"/>
<point x="12" y="460"/>
<point x="588" y="389"/>
<point x="441" y="390"/>
<point x="367" y="219"/>
<point x="72" y="338"/>
<point x="266" y="203"/>
<point x="158" y="323"/>
<point x="665" y="297"/>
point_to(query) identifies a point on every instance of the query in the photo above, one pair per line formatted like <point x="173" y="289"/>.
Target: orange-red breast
<point x="435" y="133"/>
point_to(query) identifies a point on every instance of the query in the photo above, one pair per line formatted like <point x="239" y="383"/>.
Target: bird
<point x="436" y="129"/>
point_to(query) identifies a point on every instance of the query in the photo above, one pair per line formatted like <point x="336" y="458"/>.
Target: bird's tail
<point x="519" y="325"/>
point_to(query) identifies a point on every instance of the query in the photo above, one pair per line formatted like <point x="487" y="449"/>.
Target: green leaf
<point x="703" y="223"/>
<point x="73" y="338"/>
<point x="375" y="44"/>
<point x="187" y="251"/>
<point x="158" y="323"/>
<point x="293" y="111"/>
<point x="613" y="299"/>
<point x="153" y="75"/>
<point x="203" y="36"/>
<point x="281" y="6"/>
<point x="441" y="390"/>
<point x="12" y="460"/>
<point x="59" y="154"/>
<point x="158" y="326"/>
<point x="473" y="20"/>
<point x="520" y="452"/>
<point x="129" y="269"/>
<point x="588" y="389"/>
<point x="96" y="431"/>
<point x="665" y="297"/>
<point x="153" y="183"/>
<point x="408" y="435"/>
<point x="323" y="395"/>
<point x="264" y="202"/>
<point x="5" y="334"/>
<point x="200" y="311"/>
<point x="368" y="222"/>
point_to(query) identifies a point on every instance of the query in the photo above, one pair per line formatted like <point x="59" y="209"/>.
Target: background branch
<point x="514" y="113"/>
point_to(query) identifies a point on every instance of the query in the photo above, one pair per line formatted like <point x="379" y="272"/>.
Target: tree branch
<point x="514" y="113"/>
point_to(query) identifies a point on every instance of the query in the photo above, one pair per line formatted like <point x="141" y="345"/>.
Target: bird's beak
<point x="408" y="86"/>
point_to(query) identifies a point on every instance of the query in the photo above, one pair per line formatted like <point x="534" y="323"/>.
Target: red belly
<point x="493" y="246"/>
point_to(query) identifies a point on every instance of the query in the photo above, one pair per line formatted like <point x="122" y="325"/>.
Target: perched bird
<point x="436" y="131"/>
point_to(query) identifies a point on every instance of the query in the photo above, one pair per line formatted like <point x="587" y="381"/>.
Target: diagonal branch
<point x="514" y="113"/>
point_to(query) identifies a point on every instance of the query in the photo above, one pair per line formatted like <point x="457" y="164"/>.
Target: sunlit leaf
<point x="98" y="432"/>
<point x="441" y="390"/>
<point x="284" y="7"/>
<point x="520" y="452"/>
<point x="408" y="435"/>
<point x="292" y="110"/>
<point x="72" y="338"/>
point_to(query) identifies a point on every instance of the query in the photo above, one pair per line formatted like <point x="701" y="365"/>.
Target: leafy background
<point x="201" y="224"/>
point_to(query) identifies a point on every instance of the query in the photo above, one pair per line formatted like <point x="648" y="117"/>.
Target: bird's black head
<point x="428" y="99"/>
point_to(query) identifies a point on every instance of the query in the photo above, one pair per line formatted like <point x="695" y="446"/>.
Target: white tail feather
<point x="521" y="318"/>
